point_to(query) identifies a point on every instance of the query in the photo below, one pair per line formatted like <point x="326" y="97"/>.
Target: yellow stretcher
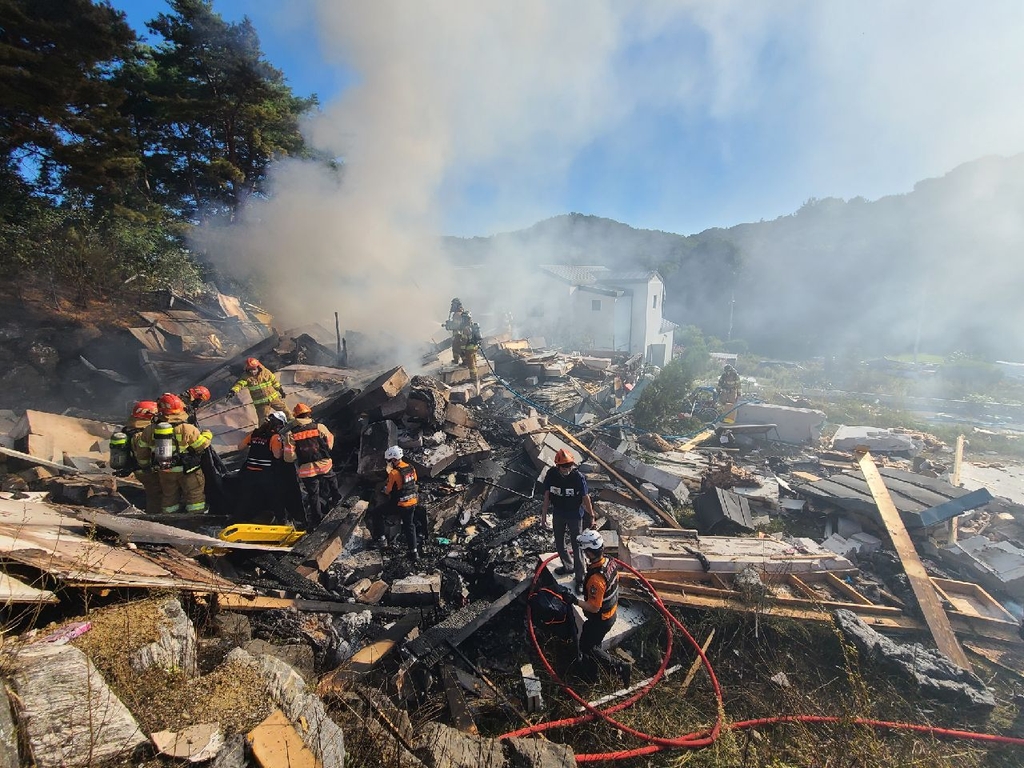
<point x="280" y="535"/>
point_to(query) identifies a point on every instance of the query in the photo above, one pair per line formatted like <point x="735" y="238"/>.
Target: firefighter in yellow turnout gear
<point x="175" y="448"/>
<point x="128" y="441"/>
<point x="264" y="389"/>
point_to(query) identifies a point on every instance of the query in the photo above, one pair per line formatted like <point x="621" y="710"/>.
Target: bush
<point x="659" y="405"/>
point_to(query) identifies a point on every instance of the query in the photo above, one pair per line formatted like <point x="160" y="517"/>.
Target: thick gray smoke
<point x="459" y="103"/>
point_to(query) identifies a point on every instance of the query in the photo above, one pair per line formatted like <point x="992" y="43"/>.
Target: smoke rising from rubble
<point x="458" y="103"/>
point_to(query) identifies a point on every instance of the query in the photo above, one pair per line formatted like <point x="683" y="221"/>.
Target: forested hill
<point x="944" y="263"/>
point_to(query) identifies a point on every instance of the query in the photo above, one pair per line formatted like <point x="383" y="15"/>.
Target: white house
<point x="600" y="310"/>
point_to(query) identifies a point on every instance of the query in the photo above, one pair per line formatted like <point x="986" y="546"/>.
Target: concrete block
<point x="800" y="426"/>
<point x="418" y="589"/>
<point x="532" y="690"/>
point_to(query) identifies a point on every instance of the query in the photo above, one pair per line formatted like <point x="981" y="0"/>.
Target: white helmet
<point x="394" y="453"/>
<point x="590" y="539"/>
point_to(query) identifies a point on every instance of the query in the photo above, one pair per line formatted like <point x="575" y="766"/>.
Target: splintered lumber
<point x="367" y="657"/>
<point x="28" y="457"/>
<point x="924" y="590"/>
<point x="662" y="514"/>
<point x="696" y="440"/>
<point x="235" y="602"/>
<point x="696" y="663"/>
<point x="276" y="744"/>
<point x="461" y="716"/>
<point x="380" y="390"/>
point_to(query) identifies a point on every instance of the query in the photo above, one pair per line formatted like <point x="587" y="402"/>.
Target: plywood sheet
<point x="276" y="744"/>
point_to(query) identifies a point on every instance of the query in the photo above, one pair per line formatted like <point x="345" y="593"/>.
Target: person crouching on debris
<point x="142" y="416"/>
<point x="599" y="604"/>
<point x="176" y="448"/>
<point x="308" y="445"/>
<point x="193" y="397"/>
<point x="259" y="488"/>
<point x="264" y="389"/>
<point x="565" y="488"/>
<point x="402" y="489"/>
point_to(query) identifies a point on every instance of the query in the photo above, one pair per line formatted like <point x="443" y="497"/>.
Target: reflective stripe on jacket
<point x="189" y="444"/>
<point x="263" y="387"/>
<point x="403" y="479"/>
<point x="307" y="429"/>
<point x="602" y="583"/>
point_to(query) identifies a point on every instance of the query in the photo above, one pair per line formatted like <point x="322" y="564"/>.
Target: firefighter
<point x="175" y="448"/>
<point x="308" y="445"/>
<point x="470" y="346"/>
<point x="264" y="389"/>
<point x="455" y="324"/>
<point x="565" y="488"/>
<point x="599" y="604"/>
<point x="402" y="488"/>
<point x="141" y="417"/>
<point x="259" y="488"/>
<point x="194" y="397"/>
<point x="728" y="386"/>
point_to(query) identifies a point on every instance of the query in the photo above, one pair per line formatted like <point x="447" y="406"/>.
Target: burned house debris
<point x="335" y="615"/>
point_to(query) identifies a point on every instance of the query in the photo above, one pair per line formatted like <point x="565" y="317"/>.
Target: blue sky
<point x="663" y="114"/>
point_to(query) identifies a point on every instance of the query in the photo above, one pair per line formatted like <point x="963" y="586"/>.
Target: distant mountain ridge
<point x="940" y="266"/>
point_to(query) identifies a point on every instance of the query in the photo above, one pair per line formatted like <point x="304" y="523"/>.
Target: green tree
<point x="211" y="112"/>
<point x="60" y="121"/>
<point x="659" y="405"/>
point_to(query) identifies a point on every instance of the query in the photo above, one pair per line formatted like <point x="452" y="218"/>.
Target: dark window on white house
<point x="595" y="305"/>
<point x="655" y="301"/>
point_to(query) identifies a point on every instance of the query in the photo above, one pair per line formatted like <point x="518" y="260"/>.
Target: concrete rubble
<point x="337" y="613"/>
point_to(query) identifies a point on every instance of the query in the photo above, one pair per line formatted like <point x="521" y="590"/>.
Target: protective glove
<point x="231" y="395"/>
<point x="571" y="598"/>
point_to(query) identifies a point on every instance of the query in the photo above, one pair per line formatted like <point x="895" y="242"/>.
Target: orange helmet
<point x="168" y="404"/>
<point x="200" y="393"/>
<point x="564" y="457"/>
<point x="144" y="409"/>
<point x="301" y="409"/>
<point x="252" y="364"/>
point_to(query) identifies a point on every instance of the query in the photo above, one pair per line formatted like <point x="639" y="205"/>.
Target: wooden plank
<point x="838" y="584"/>
<point x="954" y="479"/>
<point x="697" y="663"/>
<point x="971" y="599"/>
<point x="461" y="716"/>
<point x="13" y="590"/>
<point x="145" y="532"/>
<point x="661" y="513"/>
<point x="276" y="744"/>
<point x="367" y="657"/>
<point x="807" y="476"/>
<point x="236" y="602"/>
<point x="28" y="457"/>
<point x="696" y="440"/>
<point x="924" y="590"/>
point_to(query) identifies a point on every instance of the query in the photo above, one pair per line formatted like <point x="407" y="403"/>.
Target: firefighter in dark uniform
<point x="599" y="604"/>
<point x="565" y="489"/>
<point x="259" y="480"/>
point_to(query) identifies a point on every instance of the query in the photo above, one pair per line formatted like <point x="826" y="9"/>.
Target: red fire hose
<point x="706" y="737"/>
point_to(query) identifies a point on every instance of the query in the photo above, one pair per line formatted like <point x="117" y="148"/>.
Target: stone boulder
<point x="176" y="647"/>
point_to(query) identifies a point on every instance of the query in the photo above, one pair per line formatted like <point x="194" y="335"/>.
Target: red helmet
<point x="168" y="404"/>
<point x="202" y="394"/>
<point x="301" y="410"/>
<point x="564" y="457"/>
<point x="144" y="409"/>
<point x="252" y="364"/>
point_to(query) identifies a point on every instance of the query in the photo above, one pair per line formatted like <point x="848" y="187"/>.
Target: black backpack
<point x="549" y="607"/>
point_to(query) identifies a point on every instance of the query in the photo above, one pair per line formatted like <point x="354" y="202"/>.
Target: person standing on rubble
<point x="264" y="389"/>
<point x="729" y="386"/>
<point x="402" y="490"/>
<point x="193" y="397"/>
<point x="565" y="488"/>
<point x="259" y="488"/>
<point x="175" y="448"/>
<point x="455" y="324"/>
<point x="142" y="416"/>
<point x="599" y="604"/>
<point x="470" y="346"/>
<point x="308" y="445"/>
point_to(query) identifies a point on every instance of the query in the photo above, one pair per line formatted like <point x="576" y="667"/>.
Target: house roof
<point x="589" y="274"/>
<point x="667" y="325"/>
